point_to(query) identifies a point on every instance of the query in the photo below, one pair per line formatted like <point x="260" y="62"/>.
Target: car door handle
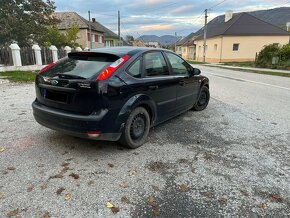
<point x="181" y="83"/>
<point x="153" y="87"/>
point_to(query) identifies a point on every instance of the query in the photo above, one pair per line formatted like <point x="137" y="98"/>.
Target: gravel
<point x="228" y="163"/>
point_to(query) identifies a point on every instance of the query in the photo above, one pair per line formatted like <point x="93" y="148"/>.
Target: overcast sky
<point x="160" y="17"/>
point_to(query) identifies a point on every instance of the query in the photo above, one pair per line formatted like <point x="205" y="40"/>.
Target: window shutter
<point x="103" y="39"/>
<point x="89" y="37"/>
<point x="96" y="38"/>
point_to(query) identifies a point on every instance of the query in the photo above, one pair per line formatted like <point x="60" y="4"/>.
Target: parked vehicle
<point x="117" y="93"/>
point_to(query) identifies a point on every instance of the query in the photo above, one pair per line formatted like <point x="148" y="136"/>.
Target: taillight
<point x="112" y="68"/>
<point x="47" y="67"/>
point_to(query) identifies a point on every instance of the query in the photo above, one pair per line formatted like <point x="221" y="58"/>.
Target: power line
<point x="217" y="4"/>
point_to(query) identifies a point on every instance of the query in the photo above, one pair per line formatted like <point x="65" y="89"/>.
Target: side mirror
<point x="195" y="71"/>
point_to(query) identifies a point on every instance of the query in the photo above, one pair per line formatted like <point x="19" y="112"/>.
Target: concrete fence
<point x="31" y="58"/>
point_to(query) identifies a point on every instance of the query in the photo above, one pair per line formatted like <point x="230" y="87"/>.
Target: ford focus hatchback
<point x="118" y="93"/>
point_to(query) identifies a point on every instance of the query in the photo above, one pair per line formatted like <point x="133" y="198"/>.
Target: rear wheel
<point x="136" y="130"/>
<point x="203" y="99"/>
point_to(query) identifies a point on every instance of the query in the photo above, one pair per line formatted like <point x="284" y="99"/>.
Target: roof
<point x="109" y="33"/>
<point x="243" y="24"/>
<point x="68" y="19"/>
<point x="185" y="39"/>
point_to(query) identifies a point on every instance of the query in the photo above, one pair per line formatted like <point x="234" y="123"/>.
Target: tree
<point x="129" y="38"/>
<point x="25" y="21"/>
<point x="60" y="39"/>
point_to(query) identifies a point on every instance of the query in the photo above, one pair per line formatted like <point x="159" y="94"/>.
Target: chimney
<point x="288" y="26"/>
<point x="229" y="15"/>
<point x="94" y="20"/>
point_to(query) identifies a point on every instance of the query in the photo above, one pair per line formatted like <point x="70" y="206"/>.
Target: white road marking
<point x="251" y="81"/>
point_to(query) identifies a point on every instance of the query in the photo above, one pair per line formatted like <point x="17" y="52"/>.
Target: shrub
<point x="285" y="52"/>
<point x="266" y="54"/>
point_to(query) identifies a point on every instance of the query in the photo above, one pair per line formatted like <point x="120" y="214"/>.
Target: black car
<point x="117" y="93"/>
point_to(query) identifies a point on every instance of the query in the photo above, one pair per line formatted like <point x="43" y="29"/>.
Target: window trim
<point x="144" y="74"/>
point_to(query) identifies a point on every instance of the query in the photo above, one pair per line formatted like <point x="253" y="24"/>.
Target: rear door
<point x="160" y="85"/>
<point x="188" y="85"/>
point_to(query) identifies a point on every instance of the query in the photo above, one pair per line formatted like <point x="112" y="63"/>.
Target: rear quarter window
<point x="135" y="69"/>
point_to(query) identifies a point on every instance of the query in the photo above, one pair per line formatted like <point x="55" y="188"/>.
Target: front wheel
<point x="203" y="99"/>
<point x="136" y="129"/>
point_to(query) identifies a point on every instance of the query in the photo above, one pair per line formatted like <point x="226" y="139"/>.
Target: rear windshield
<point x="81" y="65"/>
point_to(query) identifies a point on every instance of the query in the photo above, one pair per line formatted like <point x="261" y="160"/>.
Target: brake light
<point x="112" y="68"/>
<point x="47" y="67"/>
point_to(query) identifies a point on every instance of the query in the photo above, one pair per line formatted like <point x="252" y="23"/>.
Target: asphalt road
<point x="233" y="159"/>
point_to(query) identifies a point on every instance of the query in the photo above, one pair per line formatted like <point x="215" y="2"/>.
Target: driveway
<point x="233" y="159"/>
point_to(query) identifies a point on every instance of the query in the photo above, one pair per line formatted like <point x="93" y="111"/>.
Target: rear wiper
<point x="69" y="76"/>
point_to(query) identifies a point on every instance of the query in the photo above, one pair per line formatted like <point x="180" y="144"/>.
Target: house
<point x="138" y="43"/>
<point x="101" y="35"/>
<point x="183" y="46"/>
<point x="111" y="38"/>
<point x="238" y="38"/>
<point x="152" y="44"/>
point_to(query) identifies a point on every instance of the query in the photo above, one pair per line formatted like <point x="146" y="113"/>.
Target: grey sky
<point x="160" y="17"/>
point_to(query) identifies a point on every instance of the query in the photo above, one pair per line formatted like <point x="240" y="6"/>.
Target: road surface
<point x="233" y="159"/>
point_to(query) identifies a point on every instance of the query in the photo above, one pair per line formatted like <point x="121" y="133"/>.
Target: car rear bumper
<point x="83" y="126"/>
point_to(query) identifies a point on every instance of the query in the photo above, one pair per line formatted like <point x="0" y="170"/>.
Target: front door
<point x="161" y="86"/>
<point x="188" y="85"/>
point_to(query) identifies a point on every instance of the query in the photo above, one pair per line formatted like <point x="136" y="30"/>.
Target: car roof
<point x="123" y="50"/>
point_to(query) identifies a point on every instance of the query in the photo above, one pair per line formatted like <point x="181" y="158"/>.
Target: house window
<point x="100" y="39"/>
<point x="236" y="47"/>
<point x="215" y="47"/>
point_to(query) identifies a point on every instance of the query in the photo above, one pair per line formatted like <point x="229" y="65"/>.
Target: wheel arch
<point x="139" y="100"/>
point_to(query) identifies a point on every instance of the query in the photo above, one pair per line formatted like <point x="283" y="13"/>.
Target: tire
<point x="202" y="100"/>
<point x="136" y="129"/>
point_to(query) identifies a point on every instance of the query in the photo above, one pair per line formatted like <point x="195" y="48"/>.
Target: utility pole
<point x="119" y="24"/>
<point x="175" y="42"/>
<point x="90" y="29"/>
<point x="204" y="35"/>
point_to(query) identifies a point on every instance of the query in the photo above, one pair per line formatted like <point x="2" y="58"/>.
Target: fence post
<point x="79" y="49"/>
<point x="54" y="53"/>
<point x="37" y="52"/>
<point x="16" y="55"/>
<point x="67" y="49"/>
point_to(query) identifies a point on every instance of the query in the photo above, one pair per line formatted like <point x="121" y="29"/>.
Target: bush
<point x="266" y="55"/>
<point x="285" y="52"/>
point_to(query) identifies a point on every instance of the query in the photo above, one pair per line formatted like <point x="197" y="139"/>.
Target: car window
<point x="79" y="64"/>
<point x="155" y="64"/>
<point x="134" y="69"/>
<point x="179" y="66"/>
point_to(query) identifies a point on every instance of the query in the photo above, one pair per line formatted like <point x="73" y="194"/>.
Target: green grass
<point x="19" y="76"/>
<point x="196" y="62"/>
<point x="259" y="72"/>
<point x="240" y="64"/>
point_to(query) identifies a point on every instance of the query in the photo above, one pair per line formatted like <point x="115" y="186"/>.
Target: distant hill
<point x="163" y="40"/>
